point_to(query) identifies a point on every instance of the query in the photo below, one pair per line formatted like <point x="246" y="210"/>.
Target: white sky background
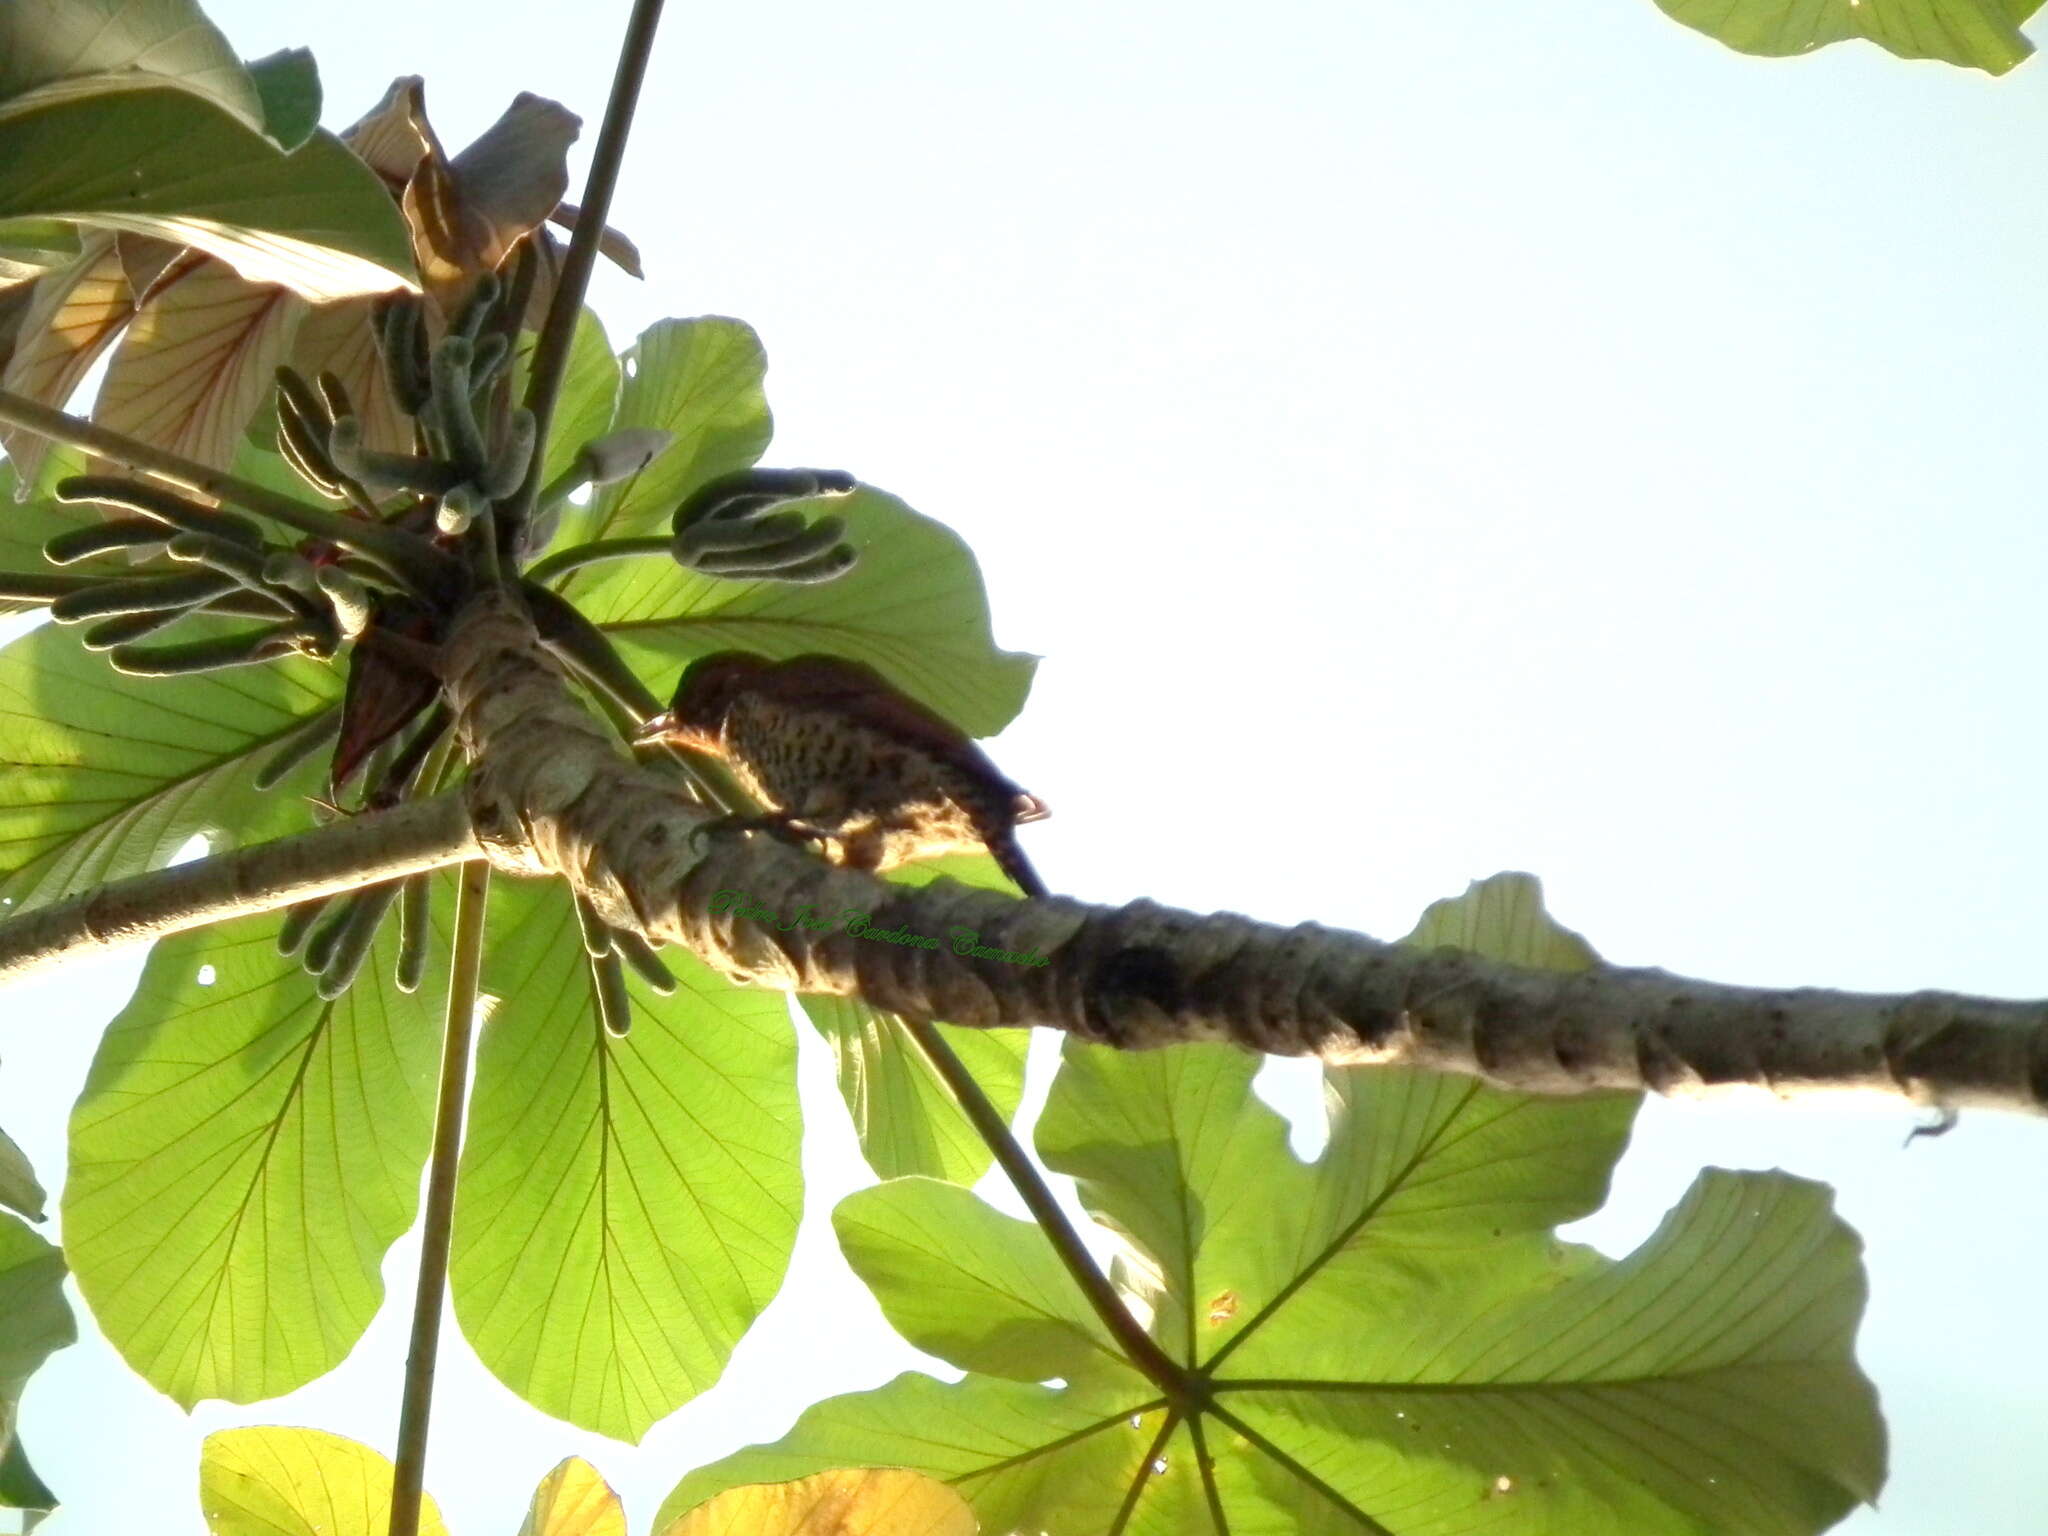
<point x="1422" y="440"/>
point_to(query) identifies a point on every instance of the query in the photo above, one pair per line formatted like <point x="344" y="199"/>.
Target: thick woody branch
<point x="551" y="793"/>
<point x="382" y="845"/>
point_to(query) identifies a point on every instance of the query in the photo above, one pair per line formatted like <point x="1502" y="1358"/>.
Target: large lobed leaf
<point x="626" y="1206"/>
<point x="274" y="1481"/>
<point x="34" y="1321"/>
<point x="242" y="1156"/>
<point x="1981" y="34"/>
<point x="1391" y="1337"/>
<point x="109" y="775"/>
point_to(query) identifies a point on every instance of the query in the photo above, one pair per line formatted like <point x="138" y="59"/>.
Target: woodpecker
<point x="838" y="754"/>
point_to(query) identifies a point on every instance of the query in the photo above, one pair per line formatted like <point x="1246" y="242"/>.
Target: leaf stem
<point x="551" y="352"/>
<point x="464" y="966"/>
<point x="1144" y="1474"/>
<point x="578" y="555"/>
<point x="1140" y="1348"/>
<point x="414" y="558"/>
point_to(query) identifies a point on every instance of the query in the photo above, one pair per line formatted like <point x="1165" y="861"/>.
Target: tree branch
<point x="379" y="845"/>
<point x="550" y="793"/>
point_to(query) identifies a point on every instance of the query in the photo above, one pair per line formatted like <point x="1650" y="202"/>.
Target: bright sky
<point x="1422" y="440"/>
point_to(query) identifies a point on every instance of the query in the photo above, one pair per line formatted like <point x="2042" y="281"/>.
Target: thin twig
<point x="578" y="555"/>
<point x="551" y="352"/>
<point x="1140" y="1348"/>
<point x="409" y="1468"/>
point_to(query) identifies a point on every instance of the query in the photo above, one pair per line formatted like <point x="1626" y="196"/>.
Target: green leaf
<point x="31" y="247"/>
<point x="34" y="1321"/>
<point x="914" y="607"/>
<point x="943" y="1264"/>
<point x="882" y="1501"/>
<point x="1387" y="1339"/>
<point x="110" y="775"/>
<point x="288" y="84"/>
<point x="80" y="48"/>
<point x="241" y="1158"/>
<point x="588" y="397"/>
<point x="26" y="526"/>
<point x="1981" y="34"/>
<point x="626" y="1206"/>
<point x="700" y="380"/>
<point x="273" y="1481"/>
<point x="165" y="163"/>
<point x="907" y="1119"/>
<point x="19" y="1188"/>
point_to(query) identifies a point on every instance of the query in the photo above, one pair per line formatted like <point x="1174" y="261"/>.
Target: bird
<point x="840" y="755"/>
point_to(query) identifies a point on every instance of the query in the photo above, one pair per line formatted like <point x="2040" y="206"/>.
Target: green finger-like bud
<point x="166" y="506"/>
<point x="320" y="947"/>
<point x="297" y="395"/>
<point x="462" y="506"/>
<point x="103" y="538"/>
<point x="597" y="938"/>
<point x="308" y="460"/>
<point x="618" y="455"/>
<point x="291" y="570"/>
<point x="138" y="594"/>
<point x="482" y="298"/>
<point x="614" y="1006"/>
<point x="821" y="537"/>
<point x="129" y="628"/>
<point x="831" y="565"/>
<point x="296" y="748"/>
<point x="208" y="655"/>
<point x="349" y="597"/>
<point x="415" y="929"/>
<point x="505" y="472"/>
<point x="291" y="934"/>
<point x="238" y="561"/>
<point x="641" y="955"/>
<point x="352" y="945"/>
<point x="29" y="587"/>
<point x="384" y="471"/>
<point x="491" y="353"/>
<point x="716" y="536"/>
<point x="334" y="396"/>
<point x="400" y="339"/>
<point x="452" y="409"/>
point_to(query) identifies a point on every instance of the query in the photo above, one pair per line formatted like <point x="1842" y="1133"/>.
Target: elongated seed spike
<point x="491" y="353"/>
<point x="384" y="471"/>
<point x="463" y="505"/>
<point x="738" y="494"/>
<point x="103" y="538"/>
<point x="614" y="1006"/>
<point x="482" y="299"/>
<point x="452" y="409"/>
<point x="334" y="396"/>
<point x="415" y="929"/>
<point x="644" y="959"/>
<point x="309" y="463"/>
<point x="166" y="506"/>
<point x="803" y="547"/>
<point x="508" y="468"/>
<point x="295" y="394"/>
<point x="296" y="748"/>
<point x="130" y="627"/>
<point x="238" y="561"/>
<point x="401" y="340"/>
<point x="207" y="655"/>
<point x="292" y="570"/>
<point x="834" y="563"/>
<point x="36" y="587"/>
<point x="291" y="934"/>
<point x="352" y="946"/>
<point x="138" y="594"/>
<point x="718" y="536"/>
<point x="319" y="950"/>
<point x="597" y="938"/>
<point x="349" y="597"/>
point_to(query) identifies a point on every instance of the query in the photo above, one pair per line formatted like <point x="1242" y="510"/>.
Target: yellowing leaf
<point x="573" y="1500"/>
<point x="887" y="1501"/>
<point x="273" y="1481"/>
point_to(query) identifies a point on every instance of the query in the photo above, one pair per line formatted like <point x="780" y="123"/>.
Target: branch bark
<point x="382" y="845"/>
<point x="550" y="793"/>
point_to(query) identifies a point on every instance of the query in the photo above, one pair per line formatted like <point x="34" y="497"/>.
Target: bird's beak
<point x="655" y="730"/>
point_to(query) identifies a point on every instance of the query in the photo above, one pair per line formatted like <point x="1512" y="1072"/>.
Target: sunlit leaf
<point x="584" y="406"/>
<point x="273" y="1481"/>
<point x="165" y="163"/>
<point x="1390" y="1338"/>
<point x="573" y="1500"/>
<point x="198" y="360"/>
<point x="679" y="1142"/>
<point x="57" y="48"/>
<point x="34" y="1320"/>
<point x="288" y="84"/>
<point x="342" y="339"/>
<point x="109" y="775"/>
<point x="241" y="1158"/>
<point x="469" y="211"/>
<point x="31" y="247"/>
<point x="882" y="1501"/>
<point x="71" y="316"/>
<point x="1983" y="34"/>
<point x="20" y="1190"/>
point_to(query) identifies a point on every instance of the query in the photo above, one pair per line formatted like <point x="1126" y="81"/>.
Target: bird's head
<point x="704" y="693"/>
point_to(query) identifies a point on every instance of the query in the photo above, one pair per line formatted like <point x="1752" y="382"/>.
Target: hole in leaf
<point x="206" y="975"/>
